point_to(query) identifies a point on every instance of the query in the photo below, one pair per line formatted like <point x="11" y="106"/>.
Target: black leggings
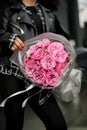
<point x="49" y="113"/>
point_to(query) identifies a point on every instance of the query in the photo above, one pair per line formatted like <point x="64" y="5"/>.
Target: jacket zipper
<point x="20" y="29"/>
<point x="31" y="25"/>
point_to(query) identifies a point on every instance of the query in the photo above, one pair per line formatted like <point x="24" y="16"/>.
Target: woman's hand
<point x="17" y="44"/>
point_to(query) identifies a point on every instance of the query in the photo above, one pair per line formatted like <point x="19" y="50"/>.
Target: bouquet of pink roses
<point x="46" y="59"/>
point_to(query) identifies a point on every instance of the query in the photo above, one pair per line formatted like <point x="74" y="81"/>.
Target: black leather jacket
<point x="16" y="20"/>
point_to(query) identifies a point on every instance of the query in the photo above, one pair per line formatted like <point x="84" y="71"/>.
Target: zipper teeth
<point x="20" y="29"/>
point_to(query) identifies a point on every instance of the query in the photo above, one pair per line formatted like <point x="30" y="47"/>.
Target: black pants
<point x="49" y="112"/>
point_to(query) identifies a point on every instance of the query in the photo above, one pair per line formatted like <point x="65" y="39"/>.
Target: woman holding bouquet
<point x="22" y="20"/>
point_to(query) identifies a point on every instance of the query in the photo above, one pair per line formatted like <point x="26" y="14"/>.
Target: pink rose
<point x="59" y="67"/>
<point x="29" y="71"/>
<point x="44" y="43"/>
<point x="60" y="56"/>
<point x="31" y="67"/>
<point x="31" y="50"/>
<point x="47" y="62"/>
<point x="38" y="54"/>
<point x="52" y="77"/>
<point x="39" y="76"/>
<point x="55" y="46"/>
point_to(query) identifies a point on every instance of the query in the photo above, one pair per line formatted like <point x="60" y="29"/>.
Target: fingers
<point x="18" y="44"/>
<point x="14" y="48"/>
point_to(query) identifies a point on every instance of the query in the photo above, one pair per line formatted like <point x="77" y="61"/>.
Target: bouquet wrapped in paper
<point x="46" y="59"/>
